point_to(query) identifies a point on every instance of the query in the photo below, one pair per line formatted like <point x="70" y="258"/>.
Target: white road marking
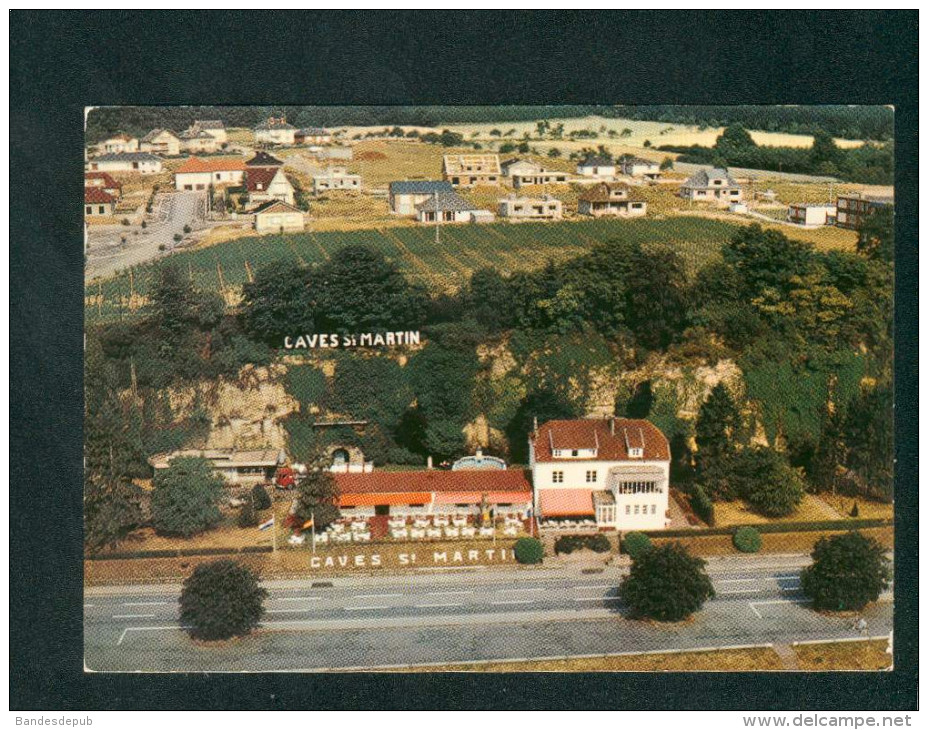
<point x="584" y="588"/>
<point x="365" y="608"/>
<point x="438" y="605"/>
<point x="380" y="595"/>
<point x="449" y="593"/>
<point x="739" y="591"/>
<point x="599" y="598"/>
<point x="736" y="580"/>
<point x="289" y="610"/>
<point x="146" y="628"/>
<point x="507" y="603"/>
<point x="520" y="590"/>
<point x="135" y="615"/>
<point x="755" y="604"/>
<point x="302" y="598"/>
<point x="150" y="603"/>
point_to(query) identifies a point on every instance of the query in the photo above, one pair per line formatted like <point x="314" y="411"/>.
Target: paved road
<point x="420" y="619"/>
<point x="106" y="254"/>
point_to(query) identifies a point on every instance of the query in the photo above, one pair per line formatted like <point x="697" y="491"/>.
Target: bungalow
<point x="852" y="210"/>
<point x="448" y="207"/>
<point x="143" y="163"/>
<point x="236" y="467"/>
<point x="98" y="202"/>
<point x="640" y="167"/>
<point x="405" y="195"/>
<point x="275" y="130"/>
<point x="263" y="159"/>
<point x="312" y="135"/>
<point x="607" y="199"/>
<point x="336" y="178"/>
<point x="197" y="141"/>
<point x="811" y="214"/>
<point x="713" y="184"/>
<point x="614" y="471"/>
<point x="505" y="491"/>
<point x="525" y="172"/>
<point x="544" y="208"/>
<point x="199" y="174"/>
<point x="119" y="143"/>
<point x="268" y="183"/>
<point x="161" y="142"/>
<point x="597" y="166"/>
<point x="276" y="216"/>
<point x="470" y="170"/>
<point x="105" y="182"/>
<point x="213" y="127"/>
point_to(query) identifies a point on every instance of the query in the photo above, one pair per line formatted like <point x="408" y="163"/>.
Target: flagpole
<point x="274" y="549"/>
<point x="312" y="517"/>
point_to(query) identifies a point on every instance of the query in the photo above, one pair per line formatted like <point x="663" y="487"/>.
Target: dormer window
<point x="636" y="452"/>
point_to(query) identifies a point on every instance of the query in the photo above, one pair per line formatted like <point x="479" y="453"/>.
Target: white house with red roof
<point x="199" y="173"/>
<point x="615" y="471"/>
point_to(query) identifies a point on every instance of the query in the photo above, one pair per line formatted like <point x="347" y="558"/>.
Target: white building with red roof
<point x="199" y="173"/>
<point x="615" y="471"/>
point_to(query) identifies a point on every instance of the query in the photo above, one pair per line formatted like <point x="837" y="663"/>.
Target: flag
<point x="308" y="523"/>
<point x="266" y="525"/>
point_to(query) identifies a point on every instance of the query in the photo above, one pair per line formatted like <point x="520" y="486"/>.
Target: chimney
<point x="428" y="463"/>
<point x="479" y="453"/>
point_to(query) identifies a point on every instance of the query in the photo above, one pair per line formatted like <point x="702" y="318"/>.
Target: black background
<point x="64" y="61"/>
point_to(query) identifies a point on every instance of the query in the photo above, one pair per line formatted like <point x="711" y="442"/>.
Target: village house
<point x="405" y="195"/>
<point x="640" y="167"/>
<point x="213" y="127"/>
<point x="614" y="471"/>
<point x="467" y="171"/>
<point x="525" y="172"/>
<point x="268" y="183"/>
<point x="712" y="185"/>
<point x="811" y="214"/>
<point x="198" y="142"/>
<point x="275" y="130"/>
<point x="335" y="178"/>
<point x="275" y="216"/>
<point x="143" y="163"/>
<point x="312" y="135"/>
<point x="263" y="159"/>
<point x="543" y="208"/>
<point x="105" y="182"/>
<point x="852" y="210"/>
<point x="597" y="166"/>
<point x="610" y="199"/>
<point x="236" y="467"/>
<point x="118" y="144"/>
<point x="198" y="174"/>
<point x="161" y="142"/>
<point x="429" y="491"/>
<point x="449" y="207"/>
<point x="98" y="202"/>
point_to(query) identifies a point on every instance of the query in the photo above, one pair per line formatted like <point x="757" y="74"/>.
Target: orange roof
<point x="213" y="164"/>
<point x="611" y="437"/>
<point x="475" y="497"/>
<point x="465" y="480"/>
<point x="566" y="502"/>
<point x="372" y="500"/>
<point x="97" y="195"/>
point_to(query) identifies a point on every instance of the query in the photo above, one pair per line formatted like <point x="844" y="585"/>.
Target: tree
<point x="635" y="544"/>
<point x="260" y="497"/>
<point x="735" y="139"/>
<point x="718" y="429"/>
<point x="490" y="299"/>
<point x="766" y="481"/>
<point x="541" y="404"/>
<point x="111" y="511"/>
<point x="317" y="498"/>
<point x="655" y="300"/>
<point x="876" y="238"/>
<point x="247" y="516"/>
<point x="279" y="302"/>
<point x="868" y="438"/>
<point x="185" y="498"/>
<point x="554" y="152"/>
<point x="444" y="439"/>
<point x="848" y="571"/>
<point x="529" y="550"/>
<point x="666" y="164"/>
<point x="221" y="599"/>
<point x="179" y="308"/>
<point x="747" y="539"/>
<point x="666" y="583"/>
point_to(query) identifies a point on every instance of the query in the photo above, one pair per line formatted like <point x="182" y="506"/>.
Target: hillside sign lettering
<point x="413" y="559"/>
<point x="331" y="341"/>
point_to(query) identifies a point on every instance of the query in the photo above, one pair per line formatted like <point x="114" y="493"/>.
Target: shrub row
<point x="567" y="544"/>
<point x="778" y="527"/>
<point x="180" y="553"/>
<point x="702" y="506"/>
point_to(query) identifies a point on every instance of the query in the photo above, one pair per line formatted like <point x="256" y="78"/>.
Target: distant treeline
<point x="860" y="122"/>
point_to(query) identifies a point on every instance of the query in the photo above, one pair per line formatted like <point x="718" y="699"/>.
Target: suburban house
<point x="336" y="178"/>
<point x="143" y="163"/>
<point x="263" y="159"/>
<point x="712" y="185"/>
<point x="449" y="207"/>
<point x="543" y="208"/>
<point x="469" y="170"/>
<point x="811" y="214"/>
<point x="640" y="167"/>
<point x="852" y="210"/>
<point x="268" y="183"/>
<point x="276" y="215"/>
<point x="597" y="166"/>
<point x="161" y="142"/>
<point x="104" y="181"/>
<point x="119" y="143"/>
<point x="405" y="195"/>
<point x="312" y="135"/>
<point x="236" y="467"/>
<point x="98" y="202"/>
<point x="607" y="199"/>
<point x="275" y="130"/>
<point x="213" y="127"/>
<point x="525" y="172"/>
<point x="461" y="491"/>
<point x="614" y="471"/>
<point x="198" y="174"/>
<point x="198" y="141"/>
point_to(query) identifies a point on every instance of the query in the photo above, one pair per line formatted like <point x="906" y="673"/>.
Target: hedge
<point x="529" y="550"/>
<point x="823" y="526"/>
<point x="702" y="506"/>
<point x="179" y="553"/>
<point x="567" y="544"/>
<point x="747" y="540"/>
<point x="635" y="543"/>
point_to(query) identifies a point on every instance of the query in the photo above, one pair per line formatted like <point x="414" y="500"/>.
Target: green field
<point x="442" y="266"/>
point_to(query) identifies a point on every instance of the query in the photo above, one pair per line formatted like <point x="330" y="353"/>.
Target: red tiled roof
<point x="108" y="180"/>
<point x="259" y="178"/>
<point x="477" y="497"/>
<point x="214" y="164"/>
<point x="97" y="195"/>
<point x="372" y="500"/>
<point x="466" y="480"/>
<point x="566" y="502"/>
<point x="611" y="436"/>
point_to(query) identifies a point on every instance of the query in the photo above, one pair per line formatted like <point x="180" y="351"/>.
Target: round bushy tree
<point x="247" y="517"/>
<point x="848" y="571"/>
<point x="317" y="498"/>
<point x="260" y="497"/>
<point x="634" y="544"/>
<point x="666" y="583"/>
<point x="185" y="498"/>
<point x="747" y="539"/>
<point x="221" y="599"/>
<point x="766" y="481"/>
<point x="529" y="550"/>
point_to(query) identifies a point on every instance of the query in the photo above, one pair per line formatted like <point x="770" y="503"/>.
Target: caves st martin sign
<point x="334" y="341"/>
<point x="337" y="560"/>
